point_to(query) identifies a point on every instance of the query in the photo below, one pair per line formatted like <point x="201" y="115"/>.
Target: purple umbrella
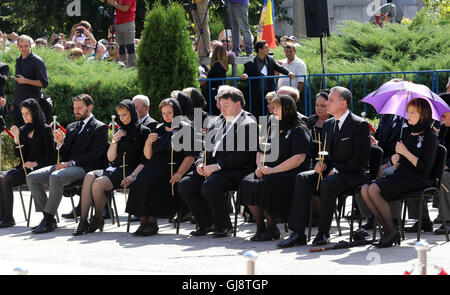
<point x="392" y="98"/>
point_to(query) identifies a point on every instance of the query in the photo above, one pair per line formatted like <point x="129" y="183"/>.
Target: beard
<point x="81" y="117"/>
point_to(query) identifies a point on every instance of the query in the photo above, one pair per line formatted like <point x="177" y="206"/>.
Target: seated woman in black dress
<point x="414" y="159"/>
<point x="38" y="150"/>
<point x="127" y="144"/>
<point x="268" y="191"/>
<point x="315" y="122"/>
<point x="151" y="195"/>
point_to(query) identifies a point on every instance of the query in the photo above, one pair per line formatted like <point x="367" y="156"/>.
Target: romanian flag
<point x="266" y="27"/>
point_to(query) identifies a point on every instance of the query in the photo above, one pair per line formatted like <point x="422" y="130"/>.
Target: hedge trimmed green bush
<point x="167" y="60"/>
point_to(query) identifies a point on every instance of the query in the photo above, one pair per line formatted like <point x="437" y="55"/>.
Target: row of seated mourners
<point x="273" y="168"/>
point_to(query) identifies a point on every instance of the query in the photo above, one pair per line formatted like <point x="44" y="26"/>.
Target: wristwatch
<point x="71" y="163"/>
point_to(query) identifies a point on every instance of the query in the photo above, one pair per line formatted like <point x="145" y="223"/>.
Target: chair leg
<point x="108" y="206"/>
<point x="73" y="209"/>
<point x="29" y="210"/>
<point x="128" y="222"/>
<point x="419" y="227"/>
<point x="115" y="209"/>
<point x="352" y="220"/>
<point x="374" y="233"/>
<point x="338" y="222"/>
<point x="23" y="205"/>
<point x="236" y="212"/>
<point x="402" y="226"/>
<point x="286" y="227"/>
<point x="310" y="218"/>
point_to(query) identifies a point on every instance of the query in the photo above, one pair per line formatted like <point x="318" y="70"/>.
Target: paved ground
<point x="116" y="252"/>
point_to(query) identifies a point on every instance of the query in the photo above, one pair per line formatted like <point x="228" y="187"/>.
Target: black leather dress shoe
<point x="295" y="239"/>
<point x="427" y="226"/>
<point x="44" y="227"/>
<point x="441" y="230"/>
<point x="222" y="233"/>
<point x="321" y="239"/>
<point x="202" y="231"/>
<point x="70" y="215"/>
<point x="267" y="236"/>
<point x="7" y="223"/>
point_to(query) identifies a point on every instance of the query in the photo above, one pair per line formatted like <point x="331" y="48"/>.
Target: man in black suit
<point x="142" y="105"/>
<point x="81" y="151"/>
<point x="230" y="156"/>
<point x="262" y="65"/>
<point x="348" y="146"/>
<point x="4" y="73"/>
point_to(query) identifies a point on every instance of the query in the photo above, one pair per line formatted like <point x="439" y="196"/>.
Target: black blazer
<point x="150" y="123"/>
<point x="237" y="158"/>
<point x="251" y="69"/>
<point x="348" y="152"/>
<point x="89" y="148"/>
<point x="387" y="136"/>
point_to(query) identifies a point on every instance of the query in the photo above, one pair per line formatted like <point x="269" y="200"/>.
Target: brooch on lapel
<point x="288" y="132"/>
<point x="419" y="144"/>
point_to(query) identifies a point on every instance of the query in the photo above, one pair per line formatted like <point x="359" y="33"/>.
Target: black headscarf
<point x="37" y="115"/>
<point x="187" y="107"/>
<point x="134" y="123"/>
<point x="198" y="100"/>
<point x="289" y="119"/>
<point x="176" y="110"/>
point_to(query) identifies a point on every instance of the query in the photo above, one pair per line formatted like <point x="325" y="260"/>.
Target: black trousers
<point x="207" y="198"/>
<point x="8" y="180"/>
<point x="330" y="188"/>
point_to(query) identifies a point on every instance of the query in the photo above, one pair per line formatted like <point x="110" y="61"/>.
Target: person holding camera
<point x="31" y="77"/>
<point x="125" y="29"/>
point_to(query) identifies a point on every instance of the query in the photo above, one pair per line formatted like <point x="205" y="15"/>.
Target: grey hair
<point x="142" y="98"/>
<point x="25" y="38"/>
<point x="344" y="93"/>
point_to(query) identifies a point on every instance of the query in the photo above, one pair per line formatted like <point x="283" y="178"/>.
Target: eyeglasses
<point x="112" y="47"/>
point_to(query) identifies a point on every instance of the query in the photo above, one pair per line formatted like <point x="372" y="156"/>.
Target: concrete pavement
<point x="115" y="251"/>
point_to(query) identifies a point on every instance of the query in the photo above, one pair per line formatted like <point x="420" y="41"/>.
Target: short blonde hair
<point x="270" y="96"/>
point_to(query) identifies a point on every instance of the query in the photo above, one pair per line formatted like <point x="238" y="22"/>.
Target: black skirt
<point x="151" y="192"/>
<point x="115" y="176"/>
<point x="394" y="186"/>
<point x="273" y="193"/>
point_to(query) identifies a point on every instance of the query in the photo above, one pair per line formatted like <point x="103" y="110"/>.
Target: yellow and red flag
<point x="266" y="26"/>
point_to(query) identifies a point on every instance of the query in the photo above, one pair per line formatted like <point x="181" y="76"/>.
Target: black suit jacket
<point x="242" y="154"/>
<point x="89" y="148"/>
<point x="444" y="139"/>
<point x="387" y="135"/>
<point x="251" y="69"/>
<point x="349" y="150"/>
<point x="150" y="123"/>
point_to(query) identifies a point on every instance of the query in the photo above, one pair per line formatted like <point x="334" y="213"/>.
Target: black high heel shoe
<point x="96" y="224"/>
<point x="82" y="228"/>
<point x="394" y="240"/>
<point x="149" y="230"/>
<point x="268" y="236"/>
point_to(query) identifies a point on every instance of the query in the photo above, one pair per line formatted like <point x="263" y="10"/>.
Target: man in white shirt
<point x="295" y="65"/>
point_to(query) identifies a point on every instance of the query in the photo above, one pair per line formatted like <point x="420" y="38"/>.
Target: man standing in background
<point x="239" y="21"/>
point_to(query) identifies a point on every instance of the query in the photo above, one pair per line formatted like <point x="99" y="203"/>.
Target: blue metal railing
<point x="335" y="79"/>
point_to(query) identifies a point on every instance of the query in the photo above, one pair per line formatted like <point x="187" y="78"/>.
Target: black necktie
<point x="80" y="126"/>
<point x="336" y="127"/>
